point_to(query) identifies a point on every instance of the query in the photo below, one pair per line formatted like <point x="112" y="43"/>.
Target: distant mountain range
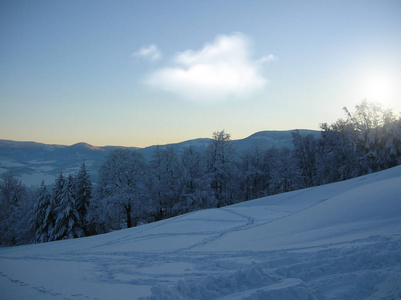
<point x="31" y="162"/>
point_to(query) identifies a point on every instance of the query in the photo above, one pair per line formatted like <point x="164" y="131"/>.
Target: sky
<point x="140" y="73"/>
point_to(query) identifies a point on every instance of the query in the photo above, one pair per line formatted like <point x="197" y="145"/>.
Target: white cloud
<point x="267" y="59"/>
<point x="219" y="70"/>
<point x="150" y="52"/>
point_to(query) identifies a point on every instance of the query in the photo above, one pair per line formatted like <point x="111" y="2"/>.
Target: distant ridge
<point x="86" y="146"/>
<point x="268" y="138"/>
<point x="31" y="162"/>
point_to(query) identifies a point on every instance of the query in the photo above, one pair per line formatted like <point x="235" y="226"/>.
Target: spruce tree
<point x="55" y="201"/>
<point x="12" y="195"/>
<point x="41" y="220"/>
<point x="57" y="189"/>
<point x="83" y="193"/>
<point x="68" y="223"/>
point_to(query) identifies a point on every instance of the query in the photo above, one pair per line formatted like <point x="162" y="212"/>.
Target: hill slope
<point x="338" y="241"/>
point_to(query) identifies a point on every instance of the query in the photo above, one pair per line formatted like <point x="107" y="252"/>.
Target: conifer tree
<point x="68" y="223"/>
<point x="83" y="193"/>
<point x="41" y="220"/>
<point x="12" y="194"/>
<point x="57" y="189"/>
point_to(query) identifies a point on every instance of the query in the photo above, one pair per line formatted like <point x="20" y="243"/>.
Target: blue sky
<point x="137" y="73"/>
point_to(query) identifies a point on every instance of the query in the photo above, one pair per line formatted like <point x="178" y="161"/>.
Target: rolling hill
<point x="33" y="162"/>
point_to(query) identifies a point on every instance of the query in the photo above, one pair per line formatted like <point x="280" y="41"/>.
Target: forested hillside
<point x="131" y="190"/>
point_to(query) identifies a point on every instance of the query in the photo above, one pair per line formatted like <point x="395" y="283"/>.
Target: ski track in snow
<point x="197" y="256"/>
<point x="44" y="291"/>
<point x="215" y="236"/>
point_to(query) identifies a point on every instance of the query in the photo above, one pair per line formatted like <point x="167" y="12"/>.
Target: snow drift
<point x="338" y="241"/>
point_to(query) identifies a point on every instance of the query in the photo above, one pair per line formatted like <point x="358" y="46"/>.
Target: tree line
<point x="131" y="191"/>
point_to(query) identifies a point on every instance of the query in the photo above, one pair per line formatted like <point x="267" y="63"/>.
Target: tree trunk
<point x="128" y="215"/>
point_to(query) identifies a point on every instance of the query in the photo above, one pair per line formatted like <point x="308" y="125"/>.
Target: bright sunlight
<point x="379" y="87"/>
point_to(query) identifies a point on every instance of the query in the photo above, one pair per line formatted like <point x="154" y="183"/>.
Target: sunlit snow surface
<point x="338" y="241"/>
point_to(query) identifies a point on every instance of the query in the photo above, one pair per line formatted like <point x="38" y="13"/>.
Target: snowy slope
<point x="338" y="241"/>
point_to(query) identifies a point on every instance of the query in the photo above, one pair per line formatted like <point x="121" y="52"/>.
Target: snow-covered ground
<point x="338" y="241"/>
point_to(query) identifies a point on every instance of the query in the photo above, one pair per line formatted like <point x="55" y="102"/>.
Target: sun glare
<point x="379" y="87"/>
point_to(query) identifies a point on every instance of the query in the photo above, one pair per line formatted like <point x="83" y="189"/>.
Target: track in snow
<point x="339" y="241"/>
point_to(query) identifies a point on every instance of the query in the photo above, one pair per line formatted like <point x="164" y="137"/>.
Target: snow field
<point x="251" y="283"/>
<point x="338" y="241"/>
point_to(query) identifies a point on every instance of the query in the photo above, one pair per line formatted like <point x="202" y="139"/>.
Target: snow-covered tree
<point x="11" y="190"/>
<point x="392" y="141"/>
<point x="83" y="193"/>
<point x="156" y="174"/>
<point x="41" y="219"/>
<point x="285" y="175"/>
<point x="368" y="140"/>
<point x="337" y="156"/>
<point x="55" y="200"/>
<point x="191" y="169"/>
<point x="220" y="164"/>
<point x="58" y="189"/>
<point x="166" y="180"/>
<point x="99" y="218"/>
<point x="254" y="173"/>
<point x="305" y="149"/>
<point x="68" y="224"/>
<point x="195" y="190"/>
<point x="123" y="185"/>
<point x="369" y="121"/>
<point x="12" y="210"/>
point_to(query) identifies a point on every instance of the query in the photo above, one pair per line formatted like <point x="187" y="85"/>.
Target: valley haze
<point x="33" y="162"/>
